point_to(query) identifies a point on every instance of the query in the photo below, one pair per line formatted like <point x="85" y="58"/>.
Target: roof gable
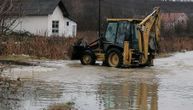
<point x="42" y="7"/>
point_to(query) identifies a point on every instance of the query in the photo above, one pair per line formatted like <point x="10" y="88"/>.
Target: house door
<point x="74" y="30"/>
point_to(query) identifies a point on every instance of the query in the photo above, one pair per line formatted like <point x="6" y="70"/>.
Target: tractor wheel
<point x="114" y="58"/>
<point x="88" y="58"/>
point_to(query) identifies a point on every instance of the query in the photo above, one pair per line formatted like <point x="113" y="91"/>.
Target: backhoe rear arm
<point x="151" y="24"/>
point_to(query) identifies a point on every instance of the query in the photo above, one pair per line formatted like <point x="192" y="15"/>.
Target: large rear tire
<point x="114" y="58"/>
<point x="88" y="58"/>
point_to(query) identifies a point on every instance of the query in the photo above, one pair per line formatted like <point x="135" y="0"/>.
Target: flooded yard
<point x="166" y="86"/>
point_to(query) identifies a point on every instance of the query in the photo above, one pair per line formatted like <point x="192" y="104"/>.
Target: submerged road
<point x="166" y="86"/>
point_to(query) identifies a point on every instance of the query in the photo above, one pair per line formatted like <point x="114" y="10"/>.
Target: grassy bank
<point x="40" y="47"/>
<point x="60" y="47"/>
<point x="176" y="44"/>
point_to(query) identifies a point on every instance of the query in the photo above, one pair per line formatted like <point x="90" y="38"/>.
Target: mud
<point x="22" y="63"/>
<point x="166" y="86"/>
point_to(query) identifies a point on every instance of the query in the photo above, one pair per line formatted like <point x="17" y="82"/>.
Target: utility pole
<point x="99" y="18"/>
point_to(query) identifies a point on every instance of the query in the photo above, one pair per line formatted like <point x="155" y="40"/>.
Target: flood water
<point x="166" y="86"/>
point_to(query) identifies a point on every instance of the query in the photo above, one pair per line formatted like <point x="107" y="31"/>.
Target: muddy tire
<point x="88" y="58"/>
<point x="114" y="58"/>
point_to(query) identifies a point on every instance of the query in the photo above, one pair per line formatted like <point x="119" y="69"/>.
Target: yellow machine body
<point x="133" y="51"/>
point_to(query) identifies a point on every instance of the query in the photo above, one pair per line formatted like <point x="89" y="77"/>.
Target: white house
<point x="46" y="18"/>
<point x="170" y="20"/>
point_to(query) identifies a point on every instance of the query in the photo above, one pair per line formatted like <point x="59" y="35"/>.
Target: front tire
<point x="114" y="58"/>
<point x="87" y="58"/>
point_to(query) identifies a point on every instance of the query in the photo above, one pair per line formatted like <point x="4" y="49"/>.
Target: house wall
<point x="71" y="29"/>
<point x="34" y="24"/>
<point x="64" y="30"/>
<point x="42" y="25"/>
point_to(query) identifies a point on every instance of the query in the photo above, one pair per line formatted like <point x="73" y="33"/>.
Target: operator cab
<point x="120" y="30"/>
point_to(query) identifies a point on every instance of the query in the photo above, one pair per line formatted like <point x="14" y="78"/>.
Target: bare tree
<point x="9" y="13"/>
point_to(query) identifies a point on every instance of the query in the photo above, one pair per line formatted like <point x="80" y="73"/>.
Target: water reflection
<point x="35" y="95"/>
<point x="129" y="96"/>
<point x="27" y="95"/>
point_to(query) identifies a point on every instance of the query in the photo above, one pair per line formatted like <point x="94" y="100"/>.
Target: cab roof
<point x="123" y="19"/>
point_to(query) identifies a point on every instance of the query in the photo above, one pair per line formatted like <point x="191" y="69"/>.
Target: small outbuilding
<point x="45" y="18"/>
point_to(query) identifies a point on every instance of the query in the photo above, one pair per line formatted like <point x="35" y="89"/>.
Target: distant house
<point x="46" y="18"/>
<point x="170" y="20"/>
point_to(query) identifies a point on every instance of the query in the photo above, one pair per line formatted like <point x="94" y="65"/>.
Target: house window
<point x="67" y="23"/>
<point x="55" y="27"/>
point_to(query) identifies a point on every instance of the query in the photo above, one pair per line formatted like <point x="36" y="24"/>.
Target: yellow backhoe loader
<point x="126" y="43"/>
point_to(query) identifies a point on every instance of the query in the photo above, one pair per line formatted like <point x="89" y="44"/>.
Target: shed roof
<point x="42" y="7"/>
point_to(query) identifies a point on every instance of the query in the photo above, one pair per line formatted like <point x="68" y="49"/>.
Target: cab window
<point x="122" y="30"/>
<point x="111" y="32"/>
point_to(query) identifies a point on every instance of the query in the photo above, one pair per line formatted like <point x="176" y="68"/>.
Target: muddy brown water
<point x="166" y="86"/>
